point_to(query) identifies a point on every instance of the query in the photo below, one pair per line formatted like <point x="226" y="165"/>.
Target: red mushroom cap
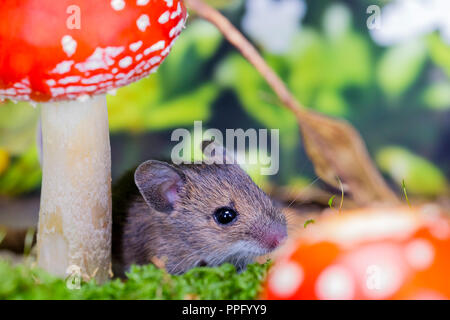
<point x="56" y="50"/>
<point x="374" y="254"/>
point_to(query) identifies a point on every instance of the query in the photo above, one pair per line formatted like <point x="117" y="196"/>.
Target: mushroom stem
<point x="75" y="214"/>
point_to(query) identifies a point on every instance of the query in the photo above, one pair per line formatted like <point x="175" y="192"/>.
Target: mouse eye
<point x="225" y="215"/>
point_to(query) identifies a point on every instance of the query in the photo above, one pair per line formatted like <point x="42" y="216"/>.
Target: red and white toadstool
<point x="62" y="53"/>
<point x="373" y="254"/>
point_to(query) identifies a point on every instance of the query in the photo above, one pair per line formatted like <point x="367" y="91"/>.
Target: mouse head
<point x="209" y="214"/>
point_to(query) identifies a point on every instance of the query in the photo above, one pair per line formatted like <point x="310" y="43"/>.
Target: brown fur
<point x="188" y="235"/>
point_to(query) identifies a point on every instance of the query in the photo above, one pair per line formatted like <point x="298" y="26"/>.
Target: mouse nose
<point x="274" y="236"/>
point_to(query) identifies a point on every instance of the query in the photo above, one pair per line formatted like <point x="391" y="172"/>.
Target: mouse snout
<point x="274" y="236"/>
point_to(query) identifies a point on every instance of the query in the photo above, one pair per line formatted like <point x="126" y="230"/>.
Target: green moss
<point x="144" y="282"/>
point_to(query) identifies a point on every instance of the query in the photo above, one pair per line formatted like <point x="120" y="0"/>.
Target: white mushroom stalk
<point x="68" y="58"/>
<point x="75" y="214"/>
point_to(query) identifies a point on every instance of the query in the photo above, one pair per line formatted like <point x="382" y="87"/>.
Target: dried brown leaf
<point x="337" y="150"/>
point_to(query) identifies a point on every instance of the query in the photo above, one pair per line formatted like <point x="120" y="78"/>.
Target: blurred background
<point x="388" y="75"/>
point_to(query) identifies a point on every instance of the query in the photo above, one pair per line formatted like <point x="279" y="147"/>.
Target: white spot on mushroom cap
<point x="143" y="22"/>
<point x="385" y="278"/>
<point x="441" y="230"/>
<point x="177" y="12"/>
<point x="24" y="90"/>
<point x="80" y="89"/>
<point x="177" y="29"/>
<point x="9" y="91"/>
<point x="125" y="62"/>
<point x="130" y="74"/>
<point x="124" y="81"/>
<point x="139" y="57"/>
<point x="142" y="2"/>
<point x="19" y="85"/>
<point x="106" y="84"/>
<point x="97" y="78"/>
<point x="155" y="47"/>
<point x="169" y="3"/>
<point x="117" y="4"/>
<point x="136" y="45"/>
<point x="50" y="82"/>
<point x="57" y="91"/>
<point x="390" y="275"/>
<point x="166" y="51"/>
<point x="69" y="79"/>
<point x="102" y="58"/>
<point x="140" y="66"/>
<point x="439" y="226"/>
<point x="154" y="69"/>
<point x="63" y="67"/>
<point x="420" y="254"/>
<point x="164" y="17"/>
<point x="379" y="269"/>
<point x="155" y="60"/>
<point x="335" y="283"/>
<point x="286" y="279"/>
<point x="69" y="45"/>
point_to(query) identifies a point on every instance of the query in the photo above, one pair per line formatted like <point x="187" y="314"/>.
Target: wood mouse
<point x="191" y="215"/>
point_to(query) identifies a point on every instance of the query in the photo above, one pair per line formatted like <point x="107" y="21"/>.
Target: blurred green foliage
<point x="400" y="66"/>
<point x="393" y="95"/>
<point x="17" y="127"/>
<point x="143" y="283"/>
<point x="421" y="176"/>
<point x="18" y="142"/>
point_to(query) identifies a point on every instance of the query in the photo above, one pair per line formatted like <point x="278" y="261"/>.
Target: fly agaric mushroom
<point x="55" y="51"/>
<point x="374" y="254"/>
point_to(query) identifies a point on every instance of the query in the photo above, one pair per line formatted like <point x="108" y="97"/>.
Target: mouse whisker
<point x="183" y="263"/>
<point x="300" y="193"/>
<point x="244" y="256"/>
<point x="186" y="259"/>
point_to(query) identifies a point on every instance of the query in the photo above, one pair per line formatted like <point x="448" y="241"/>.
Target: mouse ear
<point x="159" y="183"/>
<point x="215" y="152"/>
